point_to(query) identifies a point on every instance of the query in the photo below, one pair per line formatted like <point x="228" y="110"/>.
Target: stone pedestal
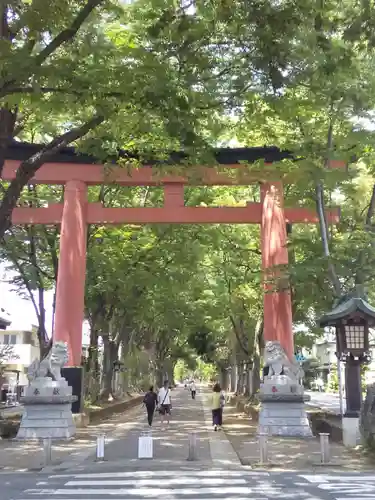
<point x="350" y="431"/>
<point x="47" y="410"/>
<point x="283" y="408"/>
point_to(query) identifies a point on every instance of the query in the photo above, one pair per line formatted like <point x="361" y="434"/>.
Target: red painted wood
<point x="70" y="291"/>
<point x="173" y="195"/>
<point x="91" y="174"/>
<point x="50" y="215"/>
<point x="75" y="214"/>
<point x="277" y="304"/>
<point x="173" y="213"/>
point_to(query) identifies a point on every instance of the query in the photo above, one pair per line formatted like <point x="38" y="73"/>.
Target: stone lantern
<point x="351" y="317"/>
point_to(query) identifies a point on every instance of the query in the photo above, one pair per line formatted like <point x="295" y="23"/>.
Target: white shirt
<point x="192" y="387"/>
<point x="164" y="393"/>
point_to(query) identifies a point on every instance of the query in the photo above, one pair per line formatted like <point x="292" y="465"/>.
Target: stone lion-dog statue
<point x="277" y="362"/>
<point x="51" y="364"/>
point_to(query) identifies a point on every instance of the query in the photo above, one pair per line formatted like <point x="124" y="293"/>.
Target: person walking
<point x="193" y="389"/>
<point x="150" y="401"/>
<point x="217" y="411"/>
<point x="222" y="404"/>
<point x="164" y="402"/>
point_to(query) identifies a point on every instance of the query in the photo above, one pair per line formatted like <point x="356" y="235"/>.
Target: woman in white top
<point x="164" y="402"/>
<point x="193" y="389"/>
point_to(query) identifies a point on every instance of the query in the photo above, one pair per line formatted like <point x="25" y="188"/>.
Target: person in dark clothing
<point x="150" y="401"/>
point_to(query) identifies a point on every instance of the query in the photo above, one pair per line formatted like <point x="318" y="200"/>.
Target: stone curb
<point x="163" y="464"/>
<point x="135" y="464"/>
<point x="275" y="465"/>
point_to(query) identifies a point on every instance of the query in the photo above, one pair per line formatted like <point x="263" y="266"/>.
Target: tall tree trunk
<point x="255" y="372"/>
<point x="323" y="224"/>
<point x="110" y="354"/>
<point x="7" y="126"/>
<point x="320" y="207"/>
<point x="93" y="368"/>
<point x="360" y="277"/>
<point x="159" y="373"/>
<point x="247" y="378"/>
<point x="173" y="366"/>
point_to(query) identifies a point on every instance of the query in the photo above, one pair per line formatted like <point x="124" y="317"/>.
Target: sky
<point x="21" y="311"/>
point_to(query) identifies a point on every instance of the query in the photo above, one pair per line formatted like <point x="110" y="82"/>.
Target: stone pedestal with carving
<point x="48" y="410"/>
<point x="283" y="410"/>
<point x="48" y="399"/>
<point x="282" y="396"/>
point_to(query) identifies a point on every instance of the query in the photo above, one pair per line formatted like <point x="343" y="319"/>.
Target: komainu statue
<point x="51" y="364"/>
<point x="278" y="363"/>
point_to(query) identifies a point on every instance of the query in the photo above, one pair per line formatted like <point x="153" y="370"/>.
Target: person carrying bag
<point x="150" y="401"/>
<point x="165" y="403"/>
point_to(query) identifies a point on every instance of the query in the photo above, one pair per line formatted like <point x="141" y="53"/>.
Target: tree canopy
<point x="152" y="77"/>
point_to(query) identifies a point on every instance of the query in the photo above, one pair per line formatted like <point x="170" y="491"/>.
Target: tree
<point x="72" y="66"/>
<point x="35" y="41"/>
<point x="32" y="256"/>
<point x="320" y="115"/>
<point x="145" y="77"/>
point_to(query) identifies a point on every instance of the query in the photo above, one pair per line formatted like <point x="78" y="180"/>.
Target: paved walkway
<point x="24" y="456"/>
<point x="288" y="454"/>
<point x="232" y="449"/>
<point x="169" y="442"/>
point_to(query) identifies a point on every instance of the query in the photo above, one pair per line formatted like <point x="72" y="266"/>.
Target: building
<point x="18" y="349"/>
<point x="324" y="350"/>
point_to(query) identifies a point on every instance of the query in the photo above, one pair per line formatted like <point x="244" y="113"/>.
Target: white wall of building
<point x="24" y="349"/>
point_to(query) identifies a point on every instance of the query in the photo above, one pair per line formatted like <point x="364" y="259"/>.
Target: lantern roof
<point x="345" y="307"/>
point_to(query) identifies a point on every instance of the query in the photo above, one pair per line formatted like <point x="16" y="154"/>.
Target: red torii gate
<point x="77" y="173"/>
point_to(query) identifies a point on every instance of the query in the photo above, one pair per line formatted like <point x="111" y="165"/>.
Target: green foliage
<point x="322" y="113"/>
<point x="310" y="367"/>
<point x="333" y="382"/>
<point x="203" y="342"/>
<point x="181" y="371"/>
<point x="153" y="76"/>
<point x="206" y="371"/>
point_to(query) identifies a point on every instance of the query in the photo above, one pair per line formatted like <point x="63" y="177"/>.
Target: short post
<point x="263" y="447"/>
<point x="100" y="440"/>
<point x="324" y="448"/>
<point x="47" y="451"/>
<point x="192" y="446"/>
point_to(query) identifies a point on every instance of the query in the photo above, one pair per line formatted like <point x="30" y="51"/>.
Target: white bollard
<point x="100" y="441"/>
<point x="324" y="448"/>
<point x="145" y="445"/>
<point x="47" y="450"/>
<point x="192" y="447"/>
<point x="263" y="447"/>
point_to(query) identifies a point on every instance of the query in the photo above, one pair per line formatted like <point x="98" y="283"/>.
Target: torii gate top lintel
<point x="69" y="165"/>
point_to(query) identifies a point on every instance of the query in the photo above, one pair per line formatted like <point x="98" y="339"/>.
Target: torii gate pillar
<point x="277" y="298"/>
<point x="282" y="398"/>
<point x="70" y="293"/>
